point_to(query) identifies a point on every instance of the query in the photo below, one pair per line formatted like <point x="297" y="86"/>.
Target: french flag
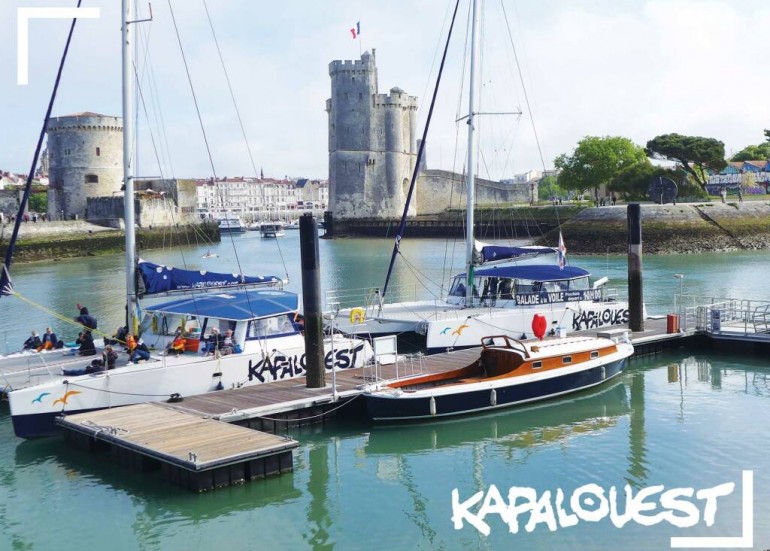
<point x="562" y="252"/>
<point x="355" y="31"/>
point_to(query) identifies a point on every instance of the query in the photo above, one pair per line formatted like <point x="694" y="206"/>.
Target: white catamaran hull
<point x="451" y="326"/>
<point x="34" y="409"/>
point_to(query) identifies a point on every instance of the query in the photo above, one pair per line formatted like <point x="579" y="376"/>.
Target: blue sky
<point x="636" y="68"/>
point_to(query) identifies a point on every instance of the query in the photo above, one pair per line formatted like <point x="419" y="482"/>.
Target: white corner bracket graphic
<point x="744" y="541"/>
<point x="23" y="15"/>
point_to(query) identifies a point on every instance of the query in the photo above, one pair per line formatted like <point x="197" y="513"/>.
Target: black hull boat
<point x="508" y="372"/>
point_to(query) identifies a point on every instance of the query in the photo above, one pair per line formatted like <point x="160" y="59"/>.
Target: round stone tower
<point x="85" y="156"/>
<point x="371" y="142"/>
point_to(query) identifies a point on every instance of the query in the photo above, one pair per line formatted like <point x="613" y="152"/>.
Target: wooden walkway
<point x="198" y="453"/>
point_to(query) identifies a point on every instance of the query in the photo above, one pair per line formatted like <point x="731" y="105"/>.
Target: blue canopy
<point x="163" y="279"/>
<point x="494" y="253"/>
<point x="533" y="272"/>
<point x="233" y="306"/>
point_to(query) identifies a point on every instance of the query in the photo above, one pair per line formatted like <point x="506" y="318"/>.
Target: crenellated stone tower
<point x="372" y="145"/>
<point x="85" y="156"/>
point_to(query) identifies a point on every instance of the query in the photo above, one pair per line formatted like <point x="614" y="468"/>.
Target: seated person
<point x="109" y="357"/>
<point x="139" y="351"/>
<point x="213" y="341"/>
<point x="86" y="342"/>
<point x="227" y="346"/>
<point x="32" y="343"/>
<point x="49" y="341"/>
<point x="177" y="346"/>
<point x="118" y="337"/>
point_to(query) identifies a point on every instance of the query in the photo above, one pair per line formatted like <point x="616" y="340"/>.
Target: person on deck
<point x="86" y="342"/>
<point x="177" y="346"/>
<point x="228" y="346"/>
<point x="109" y="357"/>
<point x="214" y="341"/>
<point x="139" y="352"/>
<point x="49" y="341"/>
<point x="85" y="319"/>
<point x="32" y="343"/>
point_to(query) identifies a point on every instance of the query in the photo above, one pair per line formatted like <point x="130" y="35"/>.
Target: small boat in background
<point x="291" y="225"/>
<point x="272" y="230"/>
<point x="231" y="223"/>
<point x="508" y="372"/>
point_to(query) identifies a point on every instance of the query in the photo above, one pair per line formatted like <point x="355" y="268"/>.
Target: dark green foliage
<point x="760" y="152"/>
<point x="695" y="154"/>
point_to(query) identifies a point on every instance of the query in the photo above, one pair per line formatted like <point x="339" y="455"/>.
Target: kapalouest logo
<point x="525" y="510"/>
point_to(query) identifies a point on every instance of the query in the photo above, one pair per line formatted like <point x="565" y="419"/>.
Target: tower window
<point x="360" y="95"/>
<point x="67" y="151"/>
<point x="98" y="151"/>
<point x="92" y="179"/>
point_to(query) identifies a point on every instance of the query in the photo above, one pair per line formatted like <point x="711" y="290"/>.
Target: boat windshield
<point x="275" y="326"/>
<point x="503" y="288"/>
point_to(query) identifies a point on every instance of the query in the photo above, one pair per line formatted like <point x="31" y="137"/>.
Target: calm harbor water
<point x="684" y="419"/>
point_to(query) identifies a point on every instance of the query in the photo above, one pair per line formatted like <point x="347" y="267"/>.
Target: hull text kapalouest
<point x="505" y="300"/>
<point x="230" y="336"/>
<point x="267" y="345"/>
<point x="507" y="373"/>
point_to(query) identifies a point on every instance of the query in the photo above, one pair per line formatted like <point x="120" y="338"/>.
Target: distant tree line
<point x="626" y="168"/>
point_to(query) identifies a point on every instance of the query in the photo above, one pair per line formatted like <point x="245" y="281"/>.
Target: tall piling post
<point x="635" y="288"/>
<point x="311" y="300"/>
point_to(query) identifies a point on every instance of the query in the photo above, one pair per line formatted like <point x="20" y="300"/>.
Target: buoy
<point x="432" y="406"/>
<point x="539" y="325"/>
<point x="357" y="315"/>
<point x="493" y="398"/>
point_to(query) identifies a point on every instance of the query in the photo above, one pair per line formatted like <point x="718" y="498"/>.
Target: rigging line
<point x="230" y="88"/>
<point x="402" y="225"/>
<point x="5" y="276"/>
<point x="203" y="129"/>
<point x="147" y="116"/>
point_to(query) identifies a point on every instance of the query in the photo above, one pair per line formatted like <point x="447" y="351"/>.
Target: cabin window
<point x="594" y="354"/>
<point x="98" y="151"/>
<point x="537" y="365"/>
<point x="579" y="284"/>
<point x="92" y="179"/>
<point x="271" y="327"/>
<point x="566" y="359"/>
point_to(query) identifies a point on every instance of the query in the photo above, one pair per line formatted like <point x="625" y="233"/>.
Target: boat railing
<point x="732" y="316"/>
<point x="401" y="366"/>
<point x="370" y="298"/>
<point x="26" y="370"/>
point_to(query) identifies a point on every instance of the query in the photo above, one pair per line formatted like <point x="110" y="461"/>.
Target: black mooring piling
<point x="635" y="288"/>
<point x="311" y="300"/>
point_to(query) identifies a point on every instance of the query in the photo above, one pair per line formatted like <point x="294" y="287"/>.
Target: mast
<point x="470" y="175"/>
<point x="128" y="176"/>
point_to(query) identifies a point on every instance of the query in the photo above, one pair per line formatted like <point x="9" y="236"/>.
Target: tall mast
<point x="128" y="173"/>
<point x="470" y="175"/>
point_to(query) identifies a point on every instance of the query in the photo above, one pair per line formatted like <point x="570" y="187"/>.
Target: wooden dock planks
<point x="176" y="437"/>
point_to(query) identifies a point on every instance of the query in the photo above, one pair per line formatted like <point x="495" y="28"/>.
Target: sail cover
<point x="154" y="279"/>
<point x="496" y="253"/>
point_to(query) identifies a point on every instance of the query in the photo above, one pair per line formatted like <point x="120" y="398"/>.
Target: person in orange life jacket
<point x="139" y="350"/>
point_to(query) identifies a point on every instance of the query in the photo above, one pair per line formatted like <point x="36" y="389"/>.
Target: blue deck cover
<point x="163" y="279"/>
<point x="534" y="272"/>
<point x="234" y="306"/>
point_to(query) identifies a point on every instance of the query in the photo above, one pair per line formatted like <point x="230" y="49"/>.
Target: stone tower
<point x="85" y="159"/>
<point x="371" y="143"/>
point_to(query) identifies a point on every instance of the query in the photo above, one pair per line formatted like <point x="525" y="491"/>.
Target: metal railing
<point x="407" y="365"/>
<point x="732" y="315"/>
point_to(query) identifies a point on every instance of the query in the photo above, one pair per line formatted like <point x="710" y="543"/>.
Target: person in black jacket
<point x="85" y="319"/>
<point x="32" y="342"/>
<point x="86" y="342"/>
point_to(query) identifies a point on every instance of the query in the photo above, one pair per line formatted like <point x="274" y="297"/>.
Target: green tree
<point x="38" y="202"/>
<point x="547" y="188"/>
<point x="760" y="152"/>
<point x="695" y="154"/>
<point x="596" y="161"/>
<point x="634" y="182"/>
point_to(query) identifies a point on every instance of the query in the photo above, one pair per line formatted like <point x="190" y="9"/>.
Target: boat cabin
<point x="254" y="317"/>
<point x="505" y="286"/>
